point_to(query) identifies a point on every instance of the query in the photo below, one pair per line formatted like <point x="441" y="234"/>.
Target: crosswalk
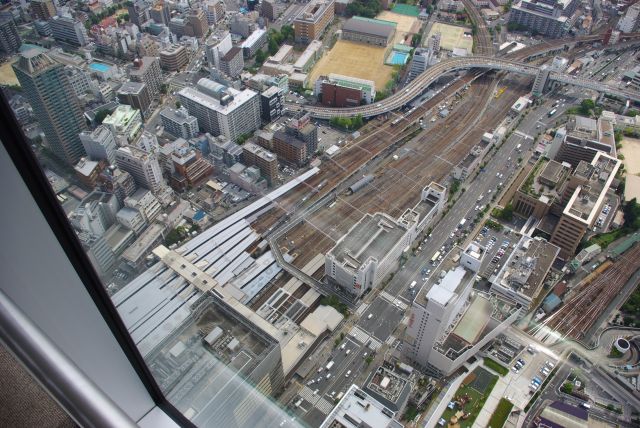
<point x="363" y="337"/>
<point x="361" y="310"/>
<point x="318" y="402"/>
<point x="394" y="300"/>
<point x="359" y="334"/>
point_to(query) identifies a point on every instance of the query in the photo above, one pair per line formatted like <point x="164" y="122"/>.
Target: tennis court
<point x="452" y="36"/>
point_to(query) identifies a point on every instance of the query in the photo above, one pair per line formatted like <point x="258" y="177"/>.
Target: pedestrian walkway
<point x="393" y="300"/>
<point x="318" y="402"/>
<point x="363" y="337"/>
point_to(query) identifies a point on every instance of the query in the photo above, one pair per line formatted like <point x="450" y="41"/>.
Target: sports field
<point x="355" y="60"/>
<point x="406" y="24"/>
<point x="7" y="76"/>
<point x="452" y="36"/>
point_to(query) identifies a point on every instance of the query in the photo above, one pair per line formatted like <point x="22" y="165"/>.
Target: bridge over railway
<point x="420" y="83"/>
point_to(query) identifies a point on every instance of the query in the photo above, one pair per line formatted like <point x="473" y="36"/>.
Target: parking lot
<point x="499" y="245"/>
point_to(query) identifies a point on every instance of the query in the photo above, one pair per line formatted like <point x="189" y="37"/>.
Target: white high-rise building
<point x="449" y="321"/>
<point x="222" y="110"/>
<point x="66" y="29"/>
<point x="217" y="46"/>
<point x="143" y="167"/>
<point x="100" y="144"/>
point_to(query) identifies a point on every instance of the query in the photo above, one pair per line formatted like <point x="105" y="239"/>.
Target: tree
<point x="164" y="88"/>
<point x="498" y="27"/>
<point x="567" y="388"/>
<point x="586" y="106"/>
<point x="125" y="16"/>
<point x="178" y="104"/>
<point x="260" y="57"/>
<point x="273" y="47"/>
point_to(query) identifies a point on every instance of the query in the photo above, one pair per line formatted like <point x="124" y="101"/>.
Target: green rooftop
<point x="626" y="244"/>
<point x="376" y="21"/>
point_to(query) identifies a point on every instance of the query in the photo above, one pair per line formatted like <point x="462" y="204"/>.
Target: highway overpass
<point x="420" y="83"/>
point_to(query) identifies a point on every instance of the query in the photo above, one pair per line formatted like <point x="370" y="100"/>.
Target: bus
<point x="462" y="222"/>
<point x="435" y="257"/>
<point x="552" y="112"/>
<point x="396" y="121"/>
<point x="329" y="365"/>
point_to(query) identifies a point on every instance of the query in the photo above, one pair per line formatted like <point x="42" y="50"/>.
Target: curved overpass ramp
<point x="420" y="83"/>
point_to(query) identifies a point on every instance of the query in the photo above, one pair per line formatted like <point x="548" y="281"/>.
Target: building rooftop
<point x="480" y="315"/>
<point x="546" y="179"/>
<point x="358" y="409"/>
<point x="180" y="115"/>
<point x="253" y="38"/>
<point x="86" y="166"/>
<point x="314" y="11"/>
<point x="372" y="237"/>
<point x="206" y="89"/>
<point x="121" y="116"/>
<point x="587" y="198"/>
<point x="232" y="53"/>
<point x="352" y="82"/>
<point x="258" y="151"/>
<point x="527" y="266"/>
<point x="388" y="387"/>
<point x="131" y="88"/>
<point x="289" y="139"/>
<point x="375" y="27"/>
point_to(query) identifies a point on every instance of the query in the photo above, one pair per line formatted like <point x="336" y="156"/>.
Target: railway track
<point x="580" y="312"/>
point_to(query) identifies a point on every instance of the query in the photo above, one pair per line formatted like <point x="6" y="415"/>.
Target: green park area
<point x="467" y="402"/>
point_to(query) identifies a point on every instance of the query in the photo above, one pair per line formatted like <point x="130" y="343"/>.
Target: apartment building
<point x="314" y="20"/>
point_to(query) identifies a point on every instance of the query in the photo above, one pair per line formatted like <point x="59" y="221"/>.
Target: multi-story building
<point x="584" y="198"/>
<point x="241" y="25"/>
<point x="138" y="12"/>
<point x="336" y="90"/>
<point x="160" y="12"/>
<point x="147" y="70"/>
<point x="448" y="323"/>
<point x="118" y="182"/>
<point x="629" y="23"/>
<point x="252" y="154"/>
<point x="173" y="58"/>
<point x="232" y="62"/>
<point x="95" y="213"/>
<point x="303" y="129"/>
<point x="55" y="106"/>
<point x="136" y="95"/>
<point x="433" y="43"/>
<point x="216" y="46"/>
<point x="584" y="138"/>
<point x="197" y="25"/>
<point x="420" y="61"/>
<point x="87" y="172"/>
<point x="370" y="250"/>
<point x="65" y="29"/>
<point x="272" y="104"/>
<point x="359" y="409"/>
<point x="42" y="10"/>
<point x="144" y="201"/>
<point x="551" y="18"/>
<point x="269" y="10"/>
<point x="222" y="110"/>
<point x="254" y="42"/>
<point x="370" y="31"/>
<point x="125" y="121"/>
<point x="99" y="252"/>
<point x="132" y="219"/>
<point x="79" y="80"/>
<point x="100" y="144"/>
<point x="224" y="152"/>
<point x="290" y="148"/>
<point x="190" y="169"/>
<point x="522" y="275"/>
<point x="314" y="19"/>
<point x="214" y="11"/>
<point x="179" y="123"/>
<point x="142" y="166"/>
<point x="9" y="38"/>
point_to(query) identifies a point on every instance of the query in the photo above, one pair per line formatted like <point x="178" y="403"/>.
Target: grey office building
<point x="9" y="37"/>
<point x="54" y="103"/>
<point x="550" y="18"/>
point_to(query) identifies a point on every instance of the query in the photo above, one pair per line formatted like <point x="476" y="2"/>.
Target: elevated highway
<point x="420" y="83"/>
